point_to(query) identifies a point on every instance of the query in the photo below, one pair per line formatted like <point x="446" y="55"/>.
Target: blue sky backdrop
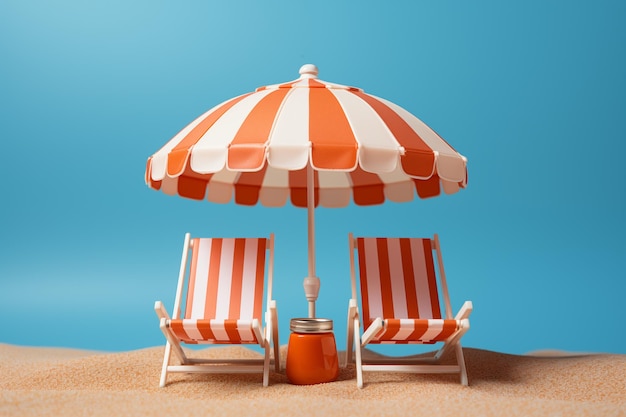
<point x="533" y="93"/>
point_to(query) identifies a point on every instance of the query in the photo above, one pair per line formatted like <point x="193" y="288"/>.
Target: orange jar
<point x="312" y="352"/>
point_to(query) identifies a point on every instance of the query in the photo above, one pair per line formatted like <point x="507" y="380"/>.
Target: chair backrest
<point x="398" y="278"/>
<point x="226" y="278"/>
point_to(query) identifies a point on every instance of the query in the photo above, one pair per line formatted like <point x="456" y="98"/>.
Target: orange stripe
<point x="298" y="188"/>
<point x="189" y="187"/>
<point x="432" y="279"/>
<point x="192" y="277"/>
<point x="333" y="145"/>
<point x="177" y="328"/>
<point x="248" y="187"/>
<point x="237" y="279"/>
<point x="392" y="327"/>
<point x="156" y="185"/>
<point x="288" y="85"/>
<point x="313" y="83"/>
<point x="246" y="157"/>
<point x="368" y="189"/>
<point x="419" y="159"/>
<point x="177" y="158"/>
<point x="409" y="278"/>
<point x="204" y="327"/>
<point x="255" y="129"/>
<point x="449" y="327"/>
<point x="427" y="188"/>
<point x="231" y="329"/>
<point x="385" y="278"/>
<point x="213" y="279"/>
<point x="246" y="150"/>
<point x="192" y="184"/>
<point x="363" y="278"/>
<point x="260" y="279"/>
<point x="420" y="326"/>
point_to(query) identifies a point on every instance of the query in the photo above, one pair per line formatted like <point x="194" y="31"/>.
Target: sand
<point x="64" y="382"/>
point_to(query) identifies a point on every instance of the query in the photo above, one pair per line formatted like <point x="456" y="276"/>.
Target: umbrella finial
<point x="308" y="71"/>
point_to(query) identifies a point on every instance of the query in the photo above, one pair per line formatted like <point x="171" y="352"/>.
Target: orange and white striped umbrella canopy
<point x="310" y="142"/>
<point x="256" y="148"/>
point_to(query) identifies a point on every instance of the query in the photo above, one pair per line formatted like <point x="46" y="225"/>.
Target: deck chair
<point x="223" y="305"/>
<point x="400" y="305"/>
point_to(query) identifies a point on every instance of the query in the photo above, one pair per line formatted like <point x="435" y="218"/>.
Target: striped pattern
<point x="255" y="149"/>
<point x="399" y="285"/>
<point x="225" y="291"/>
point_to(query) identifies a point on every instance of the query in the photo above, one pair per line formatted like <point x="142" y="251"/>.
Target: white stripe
<point x="248" y="283"/>
<point x="330" y="85"/>
<point x="169" y="185"/>
<point x="219" y="330"/>
<point x="289" y="145"/>
<point x="221" y="186"/>
<point x="245" y="330"/>
<point x="225" y="279"/>
<point x="450" y="187"/>
<point x="398" y="291"/>
<point x="407" y="326"/>
<point x="435" y="327"/>
<point x="203" y="251"/>
<point x="191" y="328"/>
<point x="378" y="149"/>
<point x="398" y="186"/>
<point x="210" y="153"/>
<point x="335" y="189"/>
<point x="421" y="279"/>
<point x="373" y="278"/>
<point x="275" y="189"/>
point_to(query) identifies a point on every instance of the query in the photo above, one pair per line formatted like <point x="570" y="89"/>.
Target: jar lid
<point x="311" y="325"/>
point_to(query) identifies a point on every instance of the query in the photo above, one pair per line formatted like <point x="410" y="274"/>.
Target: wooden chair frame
<point x="266" y="337"/>
<point x="355" y="341"/>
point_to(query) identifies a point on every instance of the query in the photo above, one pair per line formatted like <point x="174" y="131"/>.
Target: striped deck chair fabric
<point x="398" y="284"/>
<point x="225" y="291"/>
<point x="219" y="300"/>
<point x="401" y="289"/>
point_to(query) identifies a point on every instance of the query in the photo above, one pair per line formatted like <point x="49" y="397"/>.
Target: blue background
<point x="532" y="93"/>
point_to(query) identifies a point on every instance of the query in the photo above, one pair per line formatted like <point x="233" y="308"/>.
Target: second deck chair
<point x="400" y="301"/>
<point x="224" y="305"/>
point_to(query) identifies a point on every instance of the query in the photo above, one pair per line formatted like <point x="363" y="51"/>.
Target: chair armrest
<point x="372" y="331"/>
<point x="465" y="311"/>
<point x="272" y="321"/>
<point x="160" y="311"/>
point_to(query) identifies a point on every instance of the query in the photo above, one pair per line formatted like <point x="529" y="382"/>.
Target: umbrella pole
<point x="312" y="282"/>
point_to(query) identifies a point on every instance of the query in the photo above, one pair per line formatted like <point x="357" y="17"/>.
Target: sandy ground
<point x="65" y="382"/>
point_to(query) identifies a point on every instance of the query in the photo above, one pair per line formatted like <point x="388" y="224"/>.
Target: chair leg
<point x="166" y="361"/>
<point x="266" y="365"/>
<point x="349" y="343"/>
<point x="276" y="358"/>
<point x="357" y="351"/>
<point x="461" y="362"/>
<point x="275" y="340"/>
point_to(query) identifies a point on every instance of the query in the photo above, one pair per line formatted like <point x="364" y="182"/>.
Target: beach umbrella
<point x="309" y="142"/>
